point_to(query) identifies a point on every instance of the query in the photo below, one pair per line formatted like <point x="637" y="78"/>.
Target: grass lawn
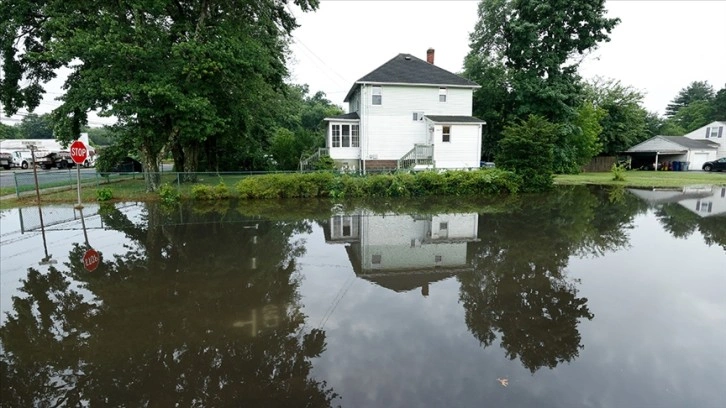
<point x="126" y="189"/>
<point x="637" y="178"/>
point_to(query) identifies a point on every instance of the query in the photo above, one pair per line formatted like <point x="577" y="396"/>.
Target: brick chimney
<point x="430" y="56"/>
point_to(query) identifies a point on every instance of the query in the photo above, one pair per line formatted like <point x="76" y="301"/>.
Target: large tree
<point x="624" y="123"/>
<point x="35" y="126"/>
<point x="195" y="76"/>
<point x="534" y="49"/>
<point x="718" y="105"/>
<point x="695" y="91"/>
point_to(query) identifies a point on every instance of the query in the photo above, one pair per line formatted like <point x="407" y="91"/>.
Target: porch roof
<point x="454" y="119"/>
<point x="353" y="116"/>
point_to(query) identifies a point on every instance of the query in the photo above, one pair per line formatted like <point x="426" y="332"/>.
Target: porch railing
<point x="308" y="163"/>
<point x="421" y="154"/>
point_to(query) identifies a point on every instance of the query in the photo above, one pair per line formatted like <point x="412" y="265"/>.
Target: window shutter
<point x="720" y="131"/>
<point x="708" y="132"/>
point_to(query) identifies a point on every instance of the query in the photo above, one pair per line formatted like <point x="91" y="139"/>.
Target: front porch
<point x="420" y="157"/>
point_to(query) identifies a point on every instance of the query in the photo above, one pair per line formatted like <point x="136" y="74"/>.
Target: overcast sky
<point x="659" y="47"/>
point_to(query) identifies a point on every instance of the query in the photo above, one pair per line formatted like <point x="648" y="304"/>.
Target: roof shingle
<point x="407" y="69"/>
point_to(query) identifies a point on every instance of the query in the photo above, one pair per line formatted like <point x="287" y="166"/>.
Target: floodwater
<point x="583" y="297"/>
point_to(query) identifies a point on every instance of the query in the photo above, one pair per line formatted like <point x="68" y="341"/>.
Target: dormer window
<point x="442" y="94"/>
<point x="377" y="96"/>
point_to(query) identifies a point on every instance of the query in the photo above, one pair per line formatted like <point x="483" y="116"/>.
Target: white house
<point x="403" y="252"/>
<point x="407" y="113"/>
<point x="713" y="133"/>
<point x="703" y="144"/>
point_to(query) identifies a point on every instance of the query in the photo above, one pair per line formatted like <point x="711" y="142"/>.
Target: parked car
<point x="715" y="165"/>
<point x="6" y="160"/>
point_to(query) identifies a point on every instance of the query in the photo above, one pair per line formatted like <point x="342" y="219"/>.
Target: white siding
<point x="389" y="128"/>
<point x="463" y="151"/>
<point x="700" y="134"/>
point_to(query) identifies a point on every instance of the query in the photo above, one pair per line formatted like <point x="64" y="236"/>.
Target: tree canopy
<point x="199" y="77"/>
<point x="529" y="52"/>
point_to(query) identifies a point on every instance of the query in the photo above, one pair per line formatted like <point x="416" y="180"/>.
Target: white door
<point x="697" y="160"/>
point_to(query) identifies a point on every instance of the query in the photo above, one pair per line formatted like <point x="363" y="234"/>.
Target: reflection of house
<point x="405" y="252"/>
<point x="703" y="201"/>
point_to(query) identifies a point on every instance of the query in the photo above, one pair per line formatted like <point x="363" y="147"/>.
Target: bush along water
<point x="104" y="194"/>
<point x="168" y="194"/>
<point x="427" y="183"/>
<point x="207" y="192"/>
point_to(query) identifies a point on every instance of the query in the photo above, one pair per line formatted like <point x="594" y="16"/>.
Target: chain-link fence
<point x="56" y="180"/>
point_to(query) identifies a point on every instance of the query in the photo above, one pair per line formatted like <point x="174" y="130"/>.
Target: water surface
<point x="583" y="297"/>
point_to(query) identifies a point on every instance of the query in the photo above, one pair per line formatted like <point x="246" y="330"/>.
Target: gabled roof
<point x="405" y="69"/>
<point x="453" y="119"/>
<point x="671" y="144"/>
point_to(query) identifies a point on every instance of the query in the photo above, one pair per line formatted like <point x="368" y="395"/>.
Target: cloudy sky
<point x="658" y="48"/>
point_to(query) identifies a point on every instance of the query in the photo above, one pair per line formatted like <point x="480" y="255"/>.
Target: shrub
<point x="618" y="172"/>
<point x="324" y="163"/>
<point x="104" y="194"/>
<point x="429" y="183"/>
<point x="168" y="194"/>
<point x="527" y="148"/>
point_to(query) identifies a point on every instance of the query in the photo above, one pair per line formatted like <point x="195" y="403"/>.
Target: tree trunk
<point x="177" y="152"/>
<point x="191" y="162"/>
<point x="150" y="162"/>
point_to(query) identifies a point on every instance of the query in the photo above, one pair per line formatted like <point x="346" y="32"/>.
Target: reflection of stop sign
<point x="78" y="152"/>
<point x="91" y="259"/>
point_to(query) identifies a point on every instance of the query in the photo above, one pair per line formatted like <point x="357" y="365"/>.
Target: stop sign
<point x="91" y="259"/>
<point x="79" y="153"/>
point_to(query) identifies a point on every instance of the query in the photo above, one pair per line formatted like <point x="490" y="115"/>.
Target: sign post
<point x="79" y="153"/>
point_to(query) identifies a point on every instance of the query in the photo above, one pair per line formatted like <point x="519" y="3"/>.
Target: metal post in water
<point x="78" y="179"/>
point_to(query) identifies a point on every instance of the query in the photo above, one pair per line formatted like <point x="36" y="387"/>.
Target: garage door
<point x="697" y="160"/>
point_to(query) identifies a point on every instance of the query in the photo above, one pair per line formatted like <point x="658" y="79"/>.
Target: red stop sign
<point x="91" y="259"/>
<point x="79" y="153"/>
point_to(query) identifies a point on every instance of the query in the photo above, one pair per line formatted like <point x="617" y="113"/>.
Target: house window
<point x="438" y="259"/>
<point x="442" y="94"/>
<point x="446" y="134"/>
<point x="443" y="225"/>
<point x="417" y="116"/>
<point x="345" y="135"/>
<point x="376" y="259"/>
<point x="377" y="96"/>
<point x="354" y="138"/>
<point x="336" y="135"/>
<point x="713" y="132"/>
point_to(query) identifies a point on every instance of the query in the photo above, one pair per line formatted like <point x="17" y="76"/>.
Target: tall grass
<point x="428" y="183"/>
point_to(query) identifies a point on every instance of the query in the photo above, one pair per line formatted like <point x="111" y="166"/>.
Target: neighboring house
<point x="695" y="148"/>
<point x="407" y="113"/>
<point x="405" y="252"/>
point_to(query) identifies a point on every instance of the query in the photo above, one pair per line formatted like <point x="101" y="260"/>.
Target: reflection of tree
<point x="677" y="219"/>
<point x="170" y="322"/>
<point x="713" y="230"/>
<point x="519" y="288"/>
<point x="681" y="223"/>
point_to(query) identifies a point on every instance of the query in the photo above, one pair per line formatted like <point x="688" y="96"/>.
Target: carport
<point x="689" y="154"/>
